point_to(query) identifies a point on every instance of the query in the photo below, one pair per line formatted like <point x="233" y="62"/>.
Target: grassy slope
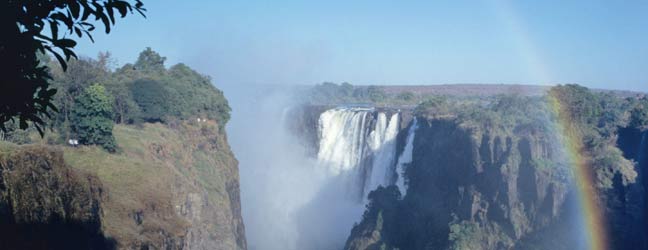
<point x="156" y="163"/>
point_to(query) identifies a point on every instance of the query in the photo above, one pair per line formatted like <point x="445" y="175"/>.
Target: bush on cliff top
<point x="145" y="91"/>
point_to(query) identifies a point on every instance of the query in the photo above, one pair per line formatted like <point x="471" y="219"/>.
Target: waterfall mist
<point x="295" y="199"/>
<point x="288" y="202"/>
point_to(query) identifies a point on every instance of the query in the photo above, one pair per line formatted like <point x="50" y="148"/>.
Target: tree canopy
<point x="133" y="95"/>
<point x="92" y="118"/>
<point x="30" y="27"/>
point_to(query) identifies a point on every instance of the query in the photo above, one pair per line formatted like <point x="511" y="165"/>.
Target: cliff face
<point x="629" y="206"/>
<point x="170" y="187"/>
<point x="471" y="188"/>
<point x="44" y="204"/>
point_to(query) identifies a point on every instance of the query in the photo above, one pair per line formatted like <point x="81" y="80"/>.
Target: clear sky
<point x="601" y="44"/>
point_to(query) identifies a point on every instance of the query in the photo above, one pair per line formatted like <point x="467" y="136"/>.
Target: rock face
<point x="473" y="189"/>
<point x="44" y="204"/>
<point x="173" y="186"/>
<point x="476" y="188"/>
<point x="629" y="206"/>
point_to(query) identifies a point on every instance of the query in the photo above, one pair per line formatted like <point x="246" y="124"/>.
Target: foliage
<point x="472" y="235"/>
<point x="578" y="101"/>
<point x="14" y="134"/>
<point x="26" y="93"/>
<point x="406" y="96"/>
<point x="196" y="96"/>
<point x="595" y="117"/>
<point x="150" y="62"/>
<point x="433" y="105"/>
<point x="464" y="235"/>
<point x="148" y="94"/>
<point x="125" y="108"/>
<point x="92" y="118"/>
<point x="639" y="113"/>
<point x="382" y="211"/>
<point x="328" y="92"/>
<point x="153" y="98"/>
<point x="80" y="74"/>
<point x="373" y="93"/>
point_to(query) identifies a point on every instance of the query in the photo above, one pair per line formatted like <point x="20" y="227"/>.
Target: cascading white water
<point x="342" y="135"/>
<point x="359" y="143"/>
<point x="291" y="200"/>
<point x="382" y="142"/>
<point x="406" y="157"/>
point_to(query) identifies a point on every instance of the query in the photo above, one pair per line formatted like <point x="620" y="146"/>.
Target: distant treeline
<point x="329" y="93"/>
<point x="91" y="97"/>
<point x="345" y="93"/>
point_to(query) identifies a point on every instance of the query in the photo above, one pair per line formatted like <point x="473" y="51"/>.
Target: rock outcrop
<point x="172" y="186"/>
<point x="44" y="204"/>
<point x="474" y="188"/>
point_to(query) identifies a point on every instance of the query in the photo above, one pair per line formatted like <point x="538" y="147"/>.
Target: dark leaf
<point x="111" y="14"/>
<point x="86" y="11"/>
<point x="122" y="8"/>
<point x="23" y="123"/>
<point x="54" y="29"/>
<point x="58" y="57"/>
<point x="65" y="43"/>
<point x="40" y="130"/>
<point x="78" y="32"/>
<point x="43" y="37"/>
<point x="141" y="13"/>
<point x="89" y="36"/>
<point x="106" y="22"/>
<point x="75" y="8"/>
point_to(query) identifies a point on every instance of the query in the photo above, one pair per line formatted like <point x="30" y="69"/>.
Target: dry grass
<point x="143" y="175"/>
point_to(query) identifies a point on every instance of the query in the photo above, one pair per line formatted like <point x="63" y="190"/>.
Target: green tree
<point x="80" y="74"/>
<point x="92" y="118"/>
<point x="154" y="99"/>
<point x="371" y="93"/>
<point x="14" y="134"/>
<point x="196" y="96"/>
<point x="26" y="93"/>
<point x="578" y="101"/>
<point x="150" y="62"/>
<point x="125" y="108"/>
<point x="639" y="114"/>
<point x="406" y="96"/>
<point x="433" y="105"/>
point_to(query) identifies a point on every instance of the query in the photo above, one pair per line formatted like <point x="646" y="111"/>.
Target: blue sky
<point x="600" y="44"/>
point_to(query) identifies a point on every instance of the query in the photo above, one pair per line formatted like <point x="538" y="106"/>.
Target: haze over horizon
<point x="596" y="44"/>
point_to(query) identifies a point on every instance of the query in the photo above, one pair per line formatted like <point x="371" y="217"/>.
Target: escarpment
<point x="45" y="204"/>
<point x="517" y="173"/>
<point x="172" y="186"/>
<point x="483" y="189"/>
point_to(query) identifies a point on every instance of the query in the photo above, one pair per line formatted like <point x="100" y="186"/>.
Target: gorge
<point x="462" y="173"/>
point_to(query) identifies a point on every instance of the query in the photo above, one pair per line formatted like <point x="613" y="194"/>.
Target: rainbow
<point x="592" y="215"/>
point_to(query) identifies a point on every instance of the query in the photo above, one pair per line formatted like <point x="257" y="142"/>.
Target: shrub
<point x="92" y="118"/>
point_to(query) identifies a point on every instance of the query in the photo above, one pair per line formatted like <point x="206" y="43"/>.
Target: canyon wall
<point x="172" y="186"/>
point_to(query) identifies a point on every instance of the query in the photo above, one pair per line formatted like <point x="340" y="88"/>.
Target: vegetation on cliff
<point x="331" y="93"/>
<point x="32" y="27"/>
<point x="167" y="176"/>
<point x="92" y="97"/>
<point x="490" y="173"/>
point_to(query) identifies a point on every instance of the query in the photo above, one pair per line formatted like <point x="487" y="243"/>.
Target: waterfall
<point x="406" y="157"/>
<point x="358" y="143"/>
<point x="342" y="135"/>
<point x="382" y="142"/>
